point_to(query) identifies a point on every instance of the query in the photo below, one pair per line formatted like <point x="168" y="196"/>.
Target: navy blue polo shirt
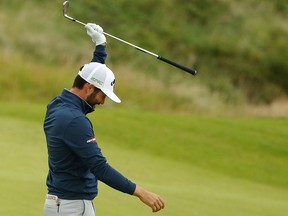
<point x="75" y="160"/>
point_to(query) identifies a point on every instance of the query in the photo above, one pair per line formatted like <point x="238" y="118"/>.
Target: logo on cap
<point x="96" y="81"/>
<point x="113" y="83"/>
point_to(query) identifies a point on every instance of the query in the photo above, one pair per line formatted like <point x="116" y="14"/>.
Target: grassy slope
<point x="231" y="43"/>
<point x="191" y="162"/>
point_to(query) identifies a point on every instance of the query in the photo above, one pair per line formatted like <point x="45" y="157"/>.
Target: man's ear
<point x="89" y="88"/>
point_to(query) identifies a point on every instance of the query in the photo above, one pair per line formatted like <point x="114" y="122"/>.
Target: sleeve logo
<point x="92" y="140"/>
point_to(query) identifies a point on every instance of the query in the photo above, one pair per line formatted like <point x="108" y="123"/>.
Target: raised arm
<point x="97" y="36"/>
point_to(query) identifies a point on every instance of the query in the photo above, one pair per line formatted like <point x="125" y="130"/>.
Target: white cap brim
<point x="111" y="95"/>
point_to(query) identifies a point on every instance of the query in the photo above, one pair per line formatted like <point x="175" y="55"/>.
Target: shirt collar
<point x="74" y="99"/>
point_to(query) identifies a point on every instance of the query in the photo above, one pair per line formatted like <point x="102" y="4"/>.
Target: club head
<point x="65" y="7"/>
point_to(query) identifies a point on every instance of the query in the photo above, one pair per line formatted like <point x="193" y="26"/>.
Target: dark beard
<point x="91" y="98"/>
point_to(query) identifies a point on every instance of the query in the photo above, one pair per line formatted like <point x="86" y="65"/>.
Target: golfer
<point x="75" y="160"/>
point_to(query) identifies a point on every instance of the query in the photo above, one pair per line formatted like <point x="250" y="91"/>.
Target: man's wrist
<point x="138" y="191"/>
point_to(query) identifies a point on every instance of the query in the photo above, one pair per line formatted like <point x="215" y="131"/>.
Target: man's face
<point x="96" y="98"/>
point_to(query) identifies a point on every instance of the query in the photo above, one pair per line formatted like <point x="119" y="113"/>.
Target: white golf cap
<point x="101" y="77"/>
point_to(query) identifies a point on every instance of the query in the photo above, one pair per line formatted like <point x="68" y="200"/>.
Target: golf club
<point x="188" y="70"/>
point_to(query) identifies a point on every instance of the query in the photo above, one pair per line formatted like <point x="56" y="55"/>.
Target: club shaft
<point x="74" y="20"/>
<point x="130" y="44"/>
<point x="186" y="69"/>
<point x="116" y="38"/>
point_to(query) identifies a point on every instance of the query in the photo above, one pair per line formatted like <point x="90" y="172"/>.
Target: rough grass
<point x="233" y="44"/>
<point x="26" y="81"/>
<point x="30" y="82"/>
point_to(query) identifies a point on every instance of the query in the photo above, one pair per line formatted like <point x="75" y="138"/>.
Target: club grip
<point x="188" y="70"/>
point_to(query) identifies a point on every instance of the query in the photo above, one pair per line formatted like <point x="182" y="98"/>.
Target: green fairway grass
<point x="202" y="166"/>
